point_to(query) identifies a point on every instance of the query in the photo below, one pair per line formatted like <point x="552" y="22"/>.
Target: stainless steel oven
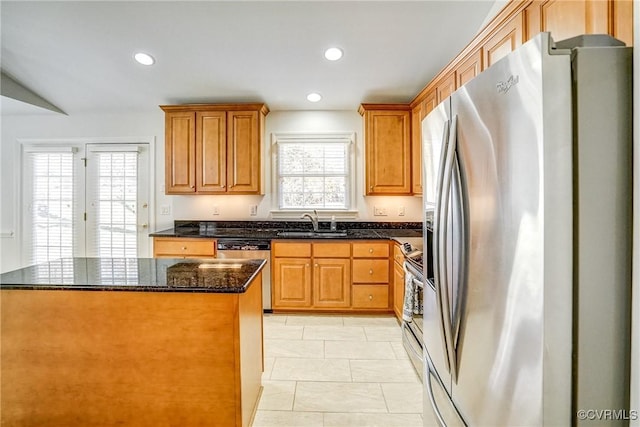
<point x="412" y="314"/>
<point x="418" y="270"/>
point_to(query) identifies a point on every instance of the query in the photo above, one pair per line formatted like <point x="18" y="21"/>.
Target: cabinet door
<point x="243" y="152"/>
<point x="469" y="68"/>
<point x="398" y="289"/>
<point x="332" y="283"/>
<point x="428" y="104"/>
<point x="388" y="152"/>
<point x="211" y="152"/>
<point x="180" y="176"/>
<point x="445" y="87"/>
<point x="416" y="150"/>
<point x="503" y="42"/>
<point x="291" y="283"/>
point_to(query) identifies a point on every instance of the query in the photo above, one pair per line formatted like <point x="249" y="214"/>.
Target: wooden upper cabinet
<point x="565" y="19"/>
<point x="387" y="149"/>
<point x="445" y="87"/>
<point x="180" y="157"/>
<point x="469" y="68"/>
<point x="504" y="41"/>
<point x="428" y="104"/>
<point x="243" y="145"/>
<point x="213" y="148"/>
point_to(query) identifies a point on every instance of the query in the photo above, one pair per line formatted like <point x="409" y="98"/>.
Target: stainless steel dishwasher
<point x="251" y="249"/>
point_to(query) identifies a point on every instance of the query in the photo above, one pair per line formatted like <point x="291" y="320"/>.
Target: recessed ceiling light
<point x="144" y="58"/>
<point x="333" y="53"/>
<point x="314" y="97"/>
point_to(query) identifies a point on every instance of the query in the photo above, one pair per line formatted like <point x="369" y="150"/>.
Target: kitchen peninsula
<point x="145" y="342"/>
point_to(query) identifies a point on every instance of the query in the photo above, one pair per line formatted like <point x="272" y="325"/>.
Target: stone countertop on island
<point x="136" y="274"/>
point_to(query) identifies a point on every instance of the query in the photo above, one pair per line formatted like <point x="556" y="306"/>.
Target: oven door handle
<point x="406" y="330"/>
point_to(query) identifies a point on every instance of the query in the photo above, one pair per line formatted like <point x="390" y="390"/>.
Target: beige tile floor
<point x="328" y="370"/>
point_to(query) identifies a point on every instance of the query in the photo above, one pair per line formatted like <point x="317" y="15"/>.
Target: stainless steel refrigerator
<point x="527" y="170"/>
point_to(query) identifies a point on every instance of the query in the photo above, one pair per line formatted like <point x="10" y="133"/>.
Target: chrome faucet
<point x="314" y="221"/>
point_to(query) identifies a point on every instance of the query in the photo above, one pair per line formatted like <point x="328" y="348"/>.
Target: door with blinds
<point x="116" y="200"/>
<point x="85" y="200"/>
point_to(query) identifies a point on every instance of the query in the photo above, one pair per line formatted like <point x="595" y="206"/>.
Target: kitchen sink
<point x="312" y="234"/>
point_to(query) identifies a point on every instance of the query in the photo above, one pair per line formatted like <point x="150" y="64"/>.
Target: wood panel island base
<point x="176" y="356"/>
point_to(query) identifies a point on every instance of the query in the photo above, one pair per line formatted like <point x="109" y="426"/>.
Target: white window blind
<point x="313" y="174"/>
<point x="51" y="203"/>
<point x="112" y="195"/>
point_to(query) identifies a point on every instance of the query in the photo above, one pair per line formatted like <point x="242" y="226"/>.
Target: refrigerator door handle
<point x="462" y="247"/>
<point x="443" y="285"/>
<point x="439" y="273"/>
<point x="428" y="375"/>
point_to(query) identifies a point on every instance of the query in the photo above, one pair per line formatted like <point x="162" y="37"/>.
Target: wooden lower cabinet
<point x="332" y="283"/>
<point x="323" y="276"/>
<point x="291" y="282"/>
<point x="398" y="288"/>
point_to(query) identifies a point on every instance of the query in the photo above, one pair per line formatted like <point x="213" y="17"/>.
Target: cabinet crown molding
<point x="216" y="107"/>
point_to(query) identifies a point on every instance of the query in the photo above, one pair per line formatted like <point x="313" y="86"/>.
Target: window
<point x="313" y="171"/>
<point x="85" y="200"/>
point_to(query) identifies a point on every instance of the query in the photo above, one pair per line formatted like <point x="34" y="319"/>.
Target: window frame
<point x="348" y="138"/>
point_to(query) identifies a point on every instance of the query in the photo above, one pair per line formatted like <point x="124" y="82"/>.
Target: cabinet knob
<point x="317" y="265"/>
<point x="192" y="186"/>
<point x="370" y="271"/>
<point x="370" y="297"/>
<point x="184" y="248"/>
<point x="307" y="265"/>
<point x="224" y="186"/>
<point x="370" y="250"/>
<point x="371" y="188"/>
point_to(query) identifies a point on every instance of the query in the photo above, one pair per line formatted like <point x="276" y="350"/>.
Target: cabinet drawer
<point x="332" y="250"/>
<point x="184" y="247"/>
<point x="370" y="296"/>
<point x="370" y="270"/>
<point x="291" y="250"/>
<point x="371" y="250"/>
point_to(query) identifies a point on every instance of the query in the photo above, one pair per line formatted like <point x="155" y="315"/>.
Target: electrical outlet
<point x="165" y="210"/>
<point x="401" y="211"/>
<point x="216" y="210"/>
<point x="379" y="211"/>
<point x="254" y="210"/>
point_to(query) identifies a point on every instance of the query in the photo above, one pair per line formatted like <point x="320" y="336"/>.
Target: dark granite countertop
<point x="268" y="230"/>
<point x="136" y="274"/>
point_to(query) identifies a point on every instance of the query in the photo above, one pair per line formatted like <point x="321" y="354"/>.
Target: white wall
<point x="151" y="124"/>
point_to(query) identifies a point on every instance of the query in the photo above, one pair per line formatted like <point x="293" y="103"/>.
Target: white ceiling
<point x="79" y="55"/>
